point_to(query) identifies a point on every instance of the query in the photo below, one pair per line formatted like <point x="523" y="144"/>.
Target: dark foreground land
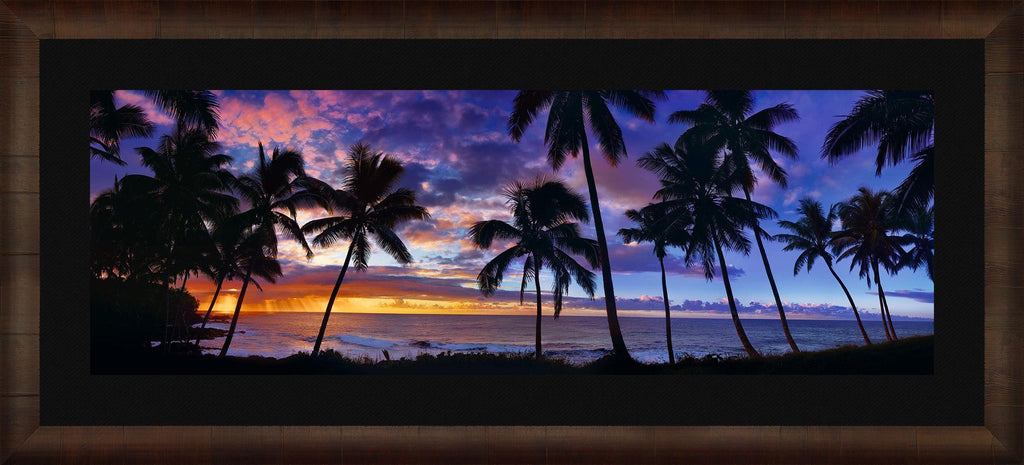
<point x="912" y="355"/>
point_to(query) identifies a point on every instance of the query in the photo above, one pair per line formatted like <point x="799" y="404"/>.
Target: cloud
<point x="641" y="258"/>
<point x="918" y="295"/>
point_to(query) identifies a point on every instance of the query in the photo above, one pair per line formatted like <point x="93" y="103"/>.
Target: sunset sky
<point x="458" y="155"/>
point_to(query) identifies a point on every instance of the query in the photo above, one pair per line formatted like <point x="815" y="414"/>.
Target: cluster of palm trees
<point x="193" y="216"/>
<point x="699" y="209"/>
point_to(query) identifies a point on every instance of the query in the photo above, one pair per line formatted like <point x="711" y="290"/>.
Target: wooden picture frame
<point x="23" y="23"/>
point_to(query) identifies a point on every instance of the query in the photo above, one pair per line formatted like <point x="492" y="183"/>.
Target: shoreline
<point x="912" y="355"/>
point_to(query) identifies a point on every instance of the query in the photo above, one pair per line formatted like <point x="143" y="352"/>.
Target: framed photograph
<point x="372" y="385"/>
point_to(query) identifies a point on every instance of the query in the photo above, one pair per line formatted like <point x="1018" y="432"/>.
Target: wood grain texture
<point x="119" y="19"/>
<point x="24" y="22"/>
<point x="295" y="19"/>
<point x="451" y="19"/>
<point x="19" y="102"/>
<point x="632" y="19"/>
<point x="544" y="19"/>
<point x="357" y="20"/>
<point x="19" y="294"/>
<point x="1005" y="45"/>
<point x="20" y="227"/>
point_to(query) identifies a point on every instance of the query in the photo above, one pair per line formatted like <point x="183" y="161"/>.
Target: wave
<point x="371" y="342"/>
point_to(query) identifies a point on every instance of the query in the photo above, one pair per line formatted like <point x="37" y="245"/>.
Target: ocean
<point x="579" y="339"/>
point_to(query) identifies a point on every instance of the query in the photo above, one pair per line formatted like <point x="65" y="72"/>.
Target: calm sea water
<point x="577" y="338"/>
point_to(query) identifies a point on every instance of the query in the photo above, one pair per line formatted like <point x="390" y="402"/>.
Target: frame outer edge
<point x="1000" y="441"/>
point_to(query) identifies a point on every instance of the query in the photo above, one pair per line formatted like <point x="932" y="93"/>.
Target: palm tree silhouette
<point x="224" y="263"/>
<point x="812" y="236"/>
<point x="570" y="113"/>
<point x="724" y="121"/>
<point x="544" y="233"/>
<point x="867" y="241"/>
<point x="369" y="206"/>
<point x="697" y="182"/>
<point x="108" y="124"/>
<point x="273" y="191"/>
<point x="920" y="227"/>
<point x="189" y="188"/>
<point x="902" y="123"/>
<point x="655" y="225"/>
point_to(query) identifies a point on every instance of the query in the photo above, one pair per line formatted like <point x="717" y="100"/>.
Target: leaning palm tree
<point x="252" y="257"/>
<point x="225" y="263"/>
<point x="654" y="224"/>
<point x="546" y="235"/>
<point x="812" y="236"/>
<point x="920" y="227"/>
<point x="369" y="206"/>
<point x="902" y="123"/>
<point x="570" y="113"/>
<point x="273" y="191"/>
<point x="867" y="239"/>
<point x="698" y="181"/>
<point x="724" y="122"/>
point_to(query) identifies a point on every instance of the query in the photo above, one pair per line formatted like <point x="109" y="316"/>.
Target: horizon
<point x="457" y="156"/>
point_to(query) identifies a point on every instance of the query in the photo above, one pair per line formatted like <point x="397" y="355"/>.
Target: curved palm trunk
<point x="234" y="318"/>
<point x="732" y="304"/>
<point x="206" y="317"/>
<point x="668" y="316"/>
<point x="618" y="344"/>
<point x="853" y="305"/>
<point x="771" y="280"/>
<point x="536" y="280"/>
<point x="887" y="317"/>
<point x="330" y="303"/>
<point x="881" y="304"/>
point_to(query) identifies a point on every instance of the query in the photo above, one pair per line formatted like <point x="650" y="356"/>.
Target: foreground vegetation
<point x="912" y="355"/>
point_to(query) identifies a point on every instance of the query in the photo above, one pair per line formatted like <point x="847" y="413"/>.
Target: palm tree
<point x="902" y="123"/>
<point x="254" y="258"/>
<point x="570" y="113"/>
<point x="108" y="124"/>
<point x="655" y="225"/>
<point x="369" y="206"/>
<point x="225" y="263"/>
<point x="273" y="191"/>
<point x="191" y="109"/>
<point x="812" y="236"/>
<point x="867" y="241"/>
<point x="697" y="182"/>
<point x="920" y="227"/>
<point x="724" y="122"/>
<point x="189" y="188"/>
<point x="544" y="232"/>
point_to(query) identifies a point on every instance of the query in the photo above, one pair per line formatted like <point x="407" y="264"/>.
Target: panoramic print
<point x="667" y="232"/>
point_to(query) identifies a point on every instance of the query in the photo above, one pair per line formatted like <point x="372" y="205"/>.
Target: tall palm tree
<point x="108" y="124"/>
<point x="698" y="181"/>
<point x="193" y="109"/>
<point x="225" y="263"/>
<point x="920" y="227"/>
<point x="370" y="206"/>
<point x="724" y="122"/>
<point x="902" y="123"/>
<point x="570" y="113"/>
<point x="812" y="236"/>
<point x="545" y="233"/>
<point x="867" y="239"/>
<point x="273" y="191"/>
<point x="189" y="187"/>
<point x="253" y="257"/>
<point x="655" y="225"/>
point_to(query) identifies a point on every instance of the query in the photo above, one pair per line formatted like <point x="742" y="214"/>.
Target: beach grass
<point x="912" y="355"/>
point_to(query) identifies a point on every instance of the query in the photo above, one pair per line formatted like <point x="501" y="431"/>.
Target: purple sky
<point x="457" y="155"/>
